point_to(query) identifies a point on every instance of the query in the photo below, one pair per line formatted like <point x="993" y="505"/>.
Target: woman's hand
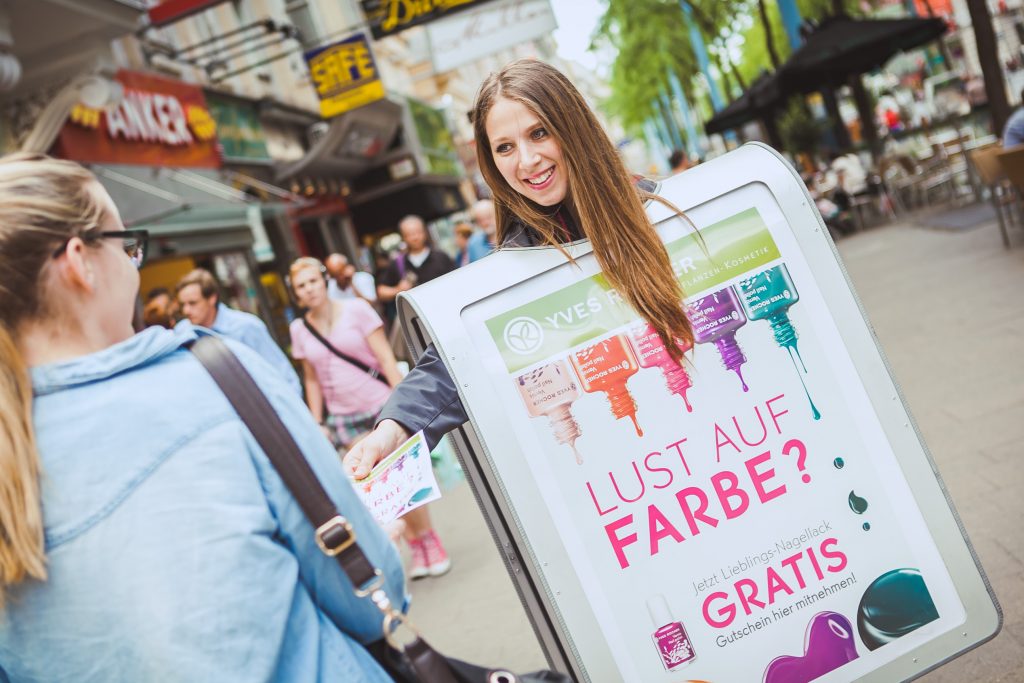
<point x="388" y="436"/>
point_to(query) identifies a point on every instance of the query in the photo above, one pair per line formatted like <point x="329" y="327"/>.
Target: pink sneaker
<point x="437" y="559"/>
<point x="419" y="568"/>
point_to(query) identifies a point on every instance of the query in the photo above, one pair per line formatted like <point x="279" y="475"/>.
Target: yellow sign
<point x="345" y="76"/>
<point x="387" y="17"/>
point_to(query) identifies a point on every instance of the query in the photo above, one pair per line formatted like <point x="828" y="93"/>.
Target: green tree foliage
<point x="651" y="39"/>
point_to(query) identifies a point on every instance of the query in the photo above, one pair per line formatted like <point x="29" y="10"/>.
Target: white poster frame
<point x="535" y="555"/>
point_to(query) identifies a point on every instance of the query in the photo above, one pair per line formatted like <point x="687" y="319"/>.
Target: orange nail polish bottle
<point x="606" y="366"/>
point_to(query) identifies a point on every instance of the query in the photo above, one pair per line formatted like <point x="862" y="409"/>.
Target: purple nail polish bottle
<point x="670" y="638"/>
<point x="715" y="319"/>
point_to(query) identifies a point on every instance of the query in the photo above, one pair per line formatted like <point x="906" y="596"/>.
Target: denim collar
<point x="143" y="348"/>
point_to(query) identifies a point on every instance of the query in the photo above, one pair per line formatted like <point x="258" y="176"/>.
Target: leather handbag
<point x="414" y="661"/>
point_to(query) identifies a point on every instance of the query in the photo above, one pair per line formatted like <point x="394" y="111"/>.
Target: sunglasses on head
<point x="134" y="242"/>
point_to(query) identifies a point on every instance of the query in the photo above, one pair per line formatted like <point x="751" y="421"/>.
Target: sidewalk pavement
<point x="948" y="309"/>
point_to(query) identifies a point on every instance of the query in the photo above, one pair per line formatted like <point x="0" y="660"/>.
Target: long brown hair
<point x="43" y="201"/>
<point x="600" y="190"/>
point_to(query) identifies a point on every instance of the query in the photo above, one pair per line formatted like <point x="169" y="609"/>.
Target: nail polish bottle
<point x="715" y="319"/>
<point x="768" y="295"/>
<point x="606" y="366"/>
<point x="669" y="636"/>
<point x="549" y="391"/>
<point x="651" y="353"/>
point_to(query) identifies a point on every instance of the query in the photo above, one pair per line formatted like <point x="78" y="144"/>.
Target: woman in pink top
<point x="344" y="397"/>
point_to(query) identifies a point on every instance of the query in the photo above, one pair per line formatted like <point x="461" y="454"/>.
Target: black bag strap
<point x="334" y="535"/>
<point x="372" y="372"/>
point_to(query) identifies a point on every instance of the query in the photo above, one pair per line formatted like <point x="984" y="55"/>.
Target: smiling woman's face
<point x="525" y="153"/>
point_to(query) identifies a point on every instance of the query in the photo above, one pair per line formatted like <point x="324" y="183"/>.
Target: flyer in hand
<point x="400" y="483"/>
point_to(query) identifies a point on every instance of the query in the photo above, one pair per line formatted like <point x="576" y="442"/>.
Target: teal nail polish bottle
<point x="768" y="295"/>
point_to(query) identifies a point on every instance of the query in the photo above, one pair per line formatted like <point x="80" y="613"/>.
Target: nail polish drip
<point x="768" y="295"/>
<point x="606" y="367"/>
<point x="814" y="409"/>
<point x="732" y="356"/>
<point x="550" y="391"/>
<point x="715" y="319"/>
<point x="785" y="335"/>
<point x="651" y="353"/>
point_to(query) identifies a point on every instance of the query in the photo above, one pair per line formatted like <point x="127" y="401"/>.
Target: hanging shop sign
<point x="170" y="11"/>
<point x="484" y="30"/>
<point x="345" y="75"/>
<point x="159" y="122"/>
<point x="239" y="131"/>
<point x="765" y="511"/>
<point x="388" y="17"/>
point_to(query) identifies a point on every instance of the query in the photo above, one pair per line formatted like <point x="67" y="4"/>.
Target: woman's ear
<point x="76" y="268"/>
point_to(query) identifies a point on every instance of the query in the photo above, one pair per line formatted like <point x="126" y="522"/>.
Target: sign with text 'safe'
<point x="760" y="511"/>
<point x="345" y="75"/>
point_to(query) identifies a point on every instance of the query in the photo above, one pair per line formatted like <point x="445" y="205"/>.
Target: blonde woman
<point x="349" y="369"/>
<point x="160" y="545"/>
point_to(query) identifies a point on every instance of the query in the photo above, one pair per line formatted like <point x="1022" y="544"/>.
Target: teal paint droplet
<point x="857" y="504"/>
<point x="895" y="604"/>
<point x="866" y="526"/>
<point x="420" y="495"/>
<point x="839" y="463"/>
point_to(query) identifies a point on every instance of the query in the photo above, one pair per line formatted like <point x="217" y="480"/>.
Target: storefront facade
<point x="158" y="155"/>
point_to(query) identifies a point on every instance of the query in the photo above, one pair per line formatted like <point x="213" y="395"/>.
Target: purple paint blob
<point x="828" y="645"/>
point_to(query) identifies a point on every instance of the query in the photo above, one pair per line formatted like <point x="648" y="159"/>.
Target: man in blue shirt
<point x="200" y="304"/>
<point x="1013" y="133"/>
<point x="481" y="243"/>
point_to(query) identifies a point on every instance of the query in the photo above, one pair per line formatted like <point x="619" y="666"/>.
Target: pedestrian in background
<point x="160" y="308"/>
<point x="482" y="242"/>
<point x="1013" y="131"/>
<point x="463" y="233"/>
<point x="200" y="304"/>
<point x="349" y="370"/>
<point x="417" y="263"/>
<point x="346" y="282"/>
<point x="163" y="546"/>
<point x="678" y="162"/>
<point x="556" y="178"/>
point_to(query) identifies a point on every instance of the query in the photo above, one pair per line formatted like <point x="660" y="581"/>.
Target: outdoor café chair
<point x="1001" y="191"/>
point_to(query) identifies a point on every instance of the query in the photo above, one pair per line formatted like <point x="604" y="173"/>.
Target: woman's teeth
<point x="540" y="180"/>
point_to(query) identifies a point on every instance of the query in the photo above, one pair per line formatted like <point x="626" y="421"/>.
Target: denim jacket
<point x="174" y="550"/>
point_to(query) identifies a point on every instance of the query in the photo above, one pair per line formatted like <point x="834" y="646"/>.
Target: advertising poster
<point x="737" y="517"/>
<point x="345" y="75"/>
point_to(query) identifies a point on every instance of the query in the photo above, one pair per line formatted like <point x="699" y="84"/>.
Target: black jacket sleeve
<point x="426" y="400"/>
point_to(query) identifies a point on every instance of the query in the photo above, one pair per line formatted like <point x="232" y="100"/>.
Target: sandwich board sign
<point x="766" y="511"/>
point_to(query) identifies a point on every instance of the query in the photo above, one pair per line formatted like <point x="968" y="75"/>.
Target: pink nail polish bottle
<point x="670" y="638"/>
<point x="550" y="391"/>
<point x="651" y="353"/>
